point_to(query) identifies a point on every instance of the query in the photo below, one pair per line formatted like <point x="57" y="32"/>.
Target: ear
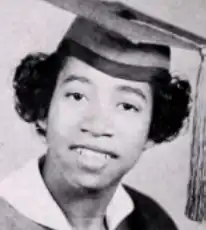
<point x="148" y="145"/>
<point x="42" y="124"/>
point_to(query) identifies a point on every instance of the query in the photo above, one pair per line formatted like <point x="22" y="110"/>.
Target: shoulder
<point x="11" y="219"/>
<point x="15" y="191"/>
<point x="148" y="214"/>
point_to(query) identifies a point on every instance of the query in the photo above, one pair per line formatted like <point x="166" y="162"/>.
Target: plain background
<point x="32" y="26"/>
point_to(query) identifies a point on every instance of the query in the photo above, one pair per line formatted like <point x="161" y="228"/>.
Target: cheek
<point x="133" y="133"/>
<point x="63" y="119"/>
<point x="133" y="141"/>
<point x="62" y="127"/>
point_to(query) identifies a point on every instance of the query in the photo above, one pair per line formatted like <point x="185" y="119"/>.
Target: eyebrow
<point x="121" y="88"/>
<point x="72" y="78"/>
<point x="129" y="89"/>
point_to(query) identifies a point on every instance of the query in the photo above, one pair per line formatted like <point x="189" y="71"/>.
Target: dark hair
<point x="35" y="80"/>
<point x="171" y="100"/>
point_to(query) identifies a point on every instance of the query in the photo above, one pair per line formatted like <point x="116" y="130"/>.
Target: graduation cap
<point x="140" y="28"/>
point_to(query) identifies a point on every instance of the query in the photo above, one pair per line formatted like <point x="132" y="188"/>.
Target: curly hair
<point x="35" y="80"/>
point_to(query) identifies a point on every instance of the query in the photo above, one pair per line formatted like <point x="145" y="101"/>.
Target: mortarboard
<point x="138" y="27"/>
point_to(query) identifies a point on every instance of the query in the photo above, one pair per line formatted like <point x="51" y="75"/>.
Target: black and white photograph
<point x="103" y="115"/>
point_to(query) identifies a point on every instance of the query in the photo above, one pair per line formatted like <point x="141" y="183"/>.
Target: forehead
<point x="78" y="68"/>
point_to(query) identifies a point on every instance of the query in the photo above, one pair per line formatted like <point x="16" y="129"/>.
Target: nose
<point x="98" y="123"/>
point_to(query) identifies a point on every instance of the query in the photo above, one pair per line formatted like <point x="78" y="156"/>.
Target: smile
<point x="93" y="150"/>
<point x="92" y="158"/>
<point x="84" y="151"/>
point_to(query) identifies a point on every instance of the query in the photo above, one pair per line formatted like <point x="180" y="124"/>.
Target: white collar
<point x="26" y="192"/>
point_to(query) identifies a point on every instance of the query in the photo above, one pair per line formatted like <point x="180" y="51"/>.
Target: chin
<point x="93" y="184"/>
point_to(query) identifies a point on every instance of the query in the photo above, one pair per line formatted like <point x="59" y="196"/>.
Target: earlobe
<point x="42" y="125"/>
<point x="148" y="145"/>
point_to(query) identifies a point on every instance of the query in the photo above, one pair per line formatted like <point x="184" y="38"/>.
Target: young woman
<point x="99" y="101"/>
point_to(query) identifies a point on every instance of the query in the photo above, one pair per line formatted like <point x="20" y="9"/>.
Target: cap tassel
<point x="196" y="202"/>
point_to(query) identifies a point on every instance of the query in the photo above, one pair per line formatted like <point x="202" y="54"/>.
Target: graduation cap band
<point x="110" y="67"/>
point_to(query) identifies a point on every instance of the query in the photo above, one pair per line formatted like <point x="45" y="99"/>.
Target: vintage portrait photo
<point x="103" y="115"/>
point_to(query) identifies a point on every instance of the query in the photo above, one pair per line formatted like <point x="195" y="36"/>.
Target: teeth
<point x="79" y="150"/>
<point x="83" y="151"/>
<point x="106" y="156"/>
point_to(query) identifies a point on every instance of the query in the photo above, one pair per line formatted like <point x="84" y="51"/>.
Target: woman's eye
<point x="76" y="96"/>
<point x="128" y="107"/>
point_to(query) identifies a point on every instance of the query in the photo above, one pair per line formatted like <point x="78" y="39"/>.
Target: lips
<point x="83" y="151"/>
<point x="96" y="150"/>
<point x="92" y="158"/>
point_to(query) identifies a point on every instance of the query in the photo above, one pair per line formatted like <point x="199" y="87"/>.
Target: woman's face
<point x="97" y="125"/>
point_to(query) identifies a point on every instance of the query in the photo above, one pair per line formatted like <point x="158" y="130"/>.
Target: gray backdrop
<point x="29" y="26"/>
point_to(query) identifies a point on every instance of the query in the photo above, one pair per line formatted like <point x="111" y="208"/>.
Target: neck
<point x="84" y="208"/>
